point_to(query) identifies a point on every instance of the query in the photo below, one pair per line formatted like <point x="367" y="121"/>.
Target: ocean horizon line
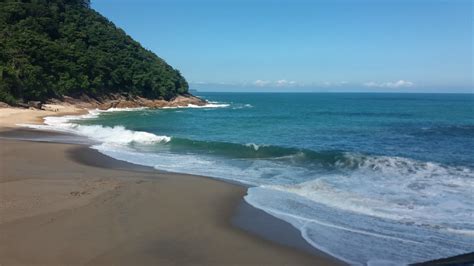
<point x="328" y="92"/>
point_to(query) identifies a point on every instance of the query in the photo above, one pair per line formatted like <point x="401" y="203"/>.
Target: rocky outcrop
<point x="35" y="104"/>
<point x="4" y="105"/>
<point x="128" y="101"/>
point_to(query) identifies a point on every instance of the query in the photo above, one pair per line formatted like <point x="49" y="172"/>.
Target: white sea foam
<point x="253" y="145"/>
<point x="125" y="109"/>
<point x="469" y="233"/>
<point x="342" y="233"/>
<point x="241" y="106"/>
<point x="208" y="105"/>
<point x="421" y="210"/>
<point x="395" y="188"/>
<point x="113" y="135"/>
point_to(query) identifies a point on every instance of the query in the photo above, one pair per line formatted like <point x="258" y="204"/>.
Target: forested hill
<point x="52" y="48"/>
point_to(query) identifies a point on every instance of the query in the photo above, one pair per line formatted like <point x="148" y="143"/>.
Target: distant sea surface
<point x="369" y="178"/>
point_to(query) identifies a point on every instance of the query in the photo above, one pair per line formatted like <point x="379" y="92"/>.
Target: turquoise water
<point x="368" y="178"/>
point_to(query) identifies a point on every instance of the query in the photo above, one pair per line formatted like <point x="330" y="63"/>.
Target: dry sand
<point x="11" y="117"/>
<point x="68" y="204"/>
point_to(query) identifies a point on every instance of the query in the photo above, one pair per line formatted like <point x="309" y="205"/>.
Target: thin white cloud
<point x="261" y="83"/>
<point x="278" y="83"/>
<point x="397" y="84"/>
<point x="284" y="83"/>
<point x="334" y="83"/>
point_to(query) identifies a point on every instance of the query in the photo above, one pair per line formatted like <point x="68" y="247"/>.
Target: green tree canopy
<point x="52" y="48"/>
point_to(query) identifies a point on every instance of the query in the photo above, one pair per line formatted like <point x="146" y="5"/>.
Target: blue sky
<point x="296" y="45"/>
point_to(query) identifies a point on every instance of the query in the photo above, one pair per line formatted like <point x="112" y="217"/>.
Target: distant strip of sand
<point x="10" y="117"/>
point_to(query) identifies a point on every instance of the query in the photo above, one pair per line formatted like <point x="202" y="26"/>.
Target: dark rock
<point x="24" y="105"/>
<point x="35" y="104"/>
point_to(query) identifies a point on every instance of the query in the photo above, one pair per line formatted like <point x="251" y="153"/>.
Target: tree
<point x="52" y="48"/>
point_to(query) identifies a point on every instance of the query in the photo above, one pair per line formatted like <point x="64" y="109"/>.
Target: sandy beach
<point x="68" y="204"/>
<point x="11" y="118"/>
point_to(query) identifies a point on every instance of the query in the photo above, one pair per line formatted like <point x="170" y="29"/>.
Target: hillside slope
<point x="55" y="48"/>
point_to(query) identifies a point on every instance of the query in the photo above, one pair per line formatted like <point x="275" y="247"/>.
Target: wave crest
<point x="112" y="135"/>
<point x="208" y="105"/>
<point x="118" y="135"/>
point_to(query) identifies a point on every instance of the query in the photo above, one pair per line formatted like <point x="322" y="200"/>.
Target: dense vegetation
<point x="51" y="48"/>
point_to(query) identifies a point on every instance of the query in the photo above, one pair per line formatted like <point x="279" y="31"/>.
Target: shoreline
<point x="243" y="218"/>
<point x="237" y="218"/>
<point x="11" y="116"/>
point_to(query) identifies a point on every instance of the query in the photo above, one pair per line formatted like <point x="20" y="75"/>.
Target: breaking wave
<point x="104" y="134"/>
<point x="210" y="104"/>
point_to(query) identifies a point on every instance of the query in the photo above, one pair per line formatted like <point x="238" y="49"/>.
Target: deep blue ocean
<point x="369" y="178"/>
